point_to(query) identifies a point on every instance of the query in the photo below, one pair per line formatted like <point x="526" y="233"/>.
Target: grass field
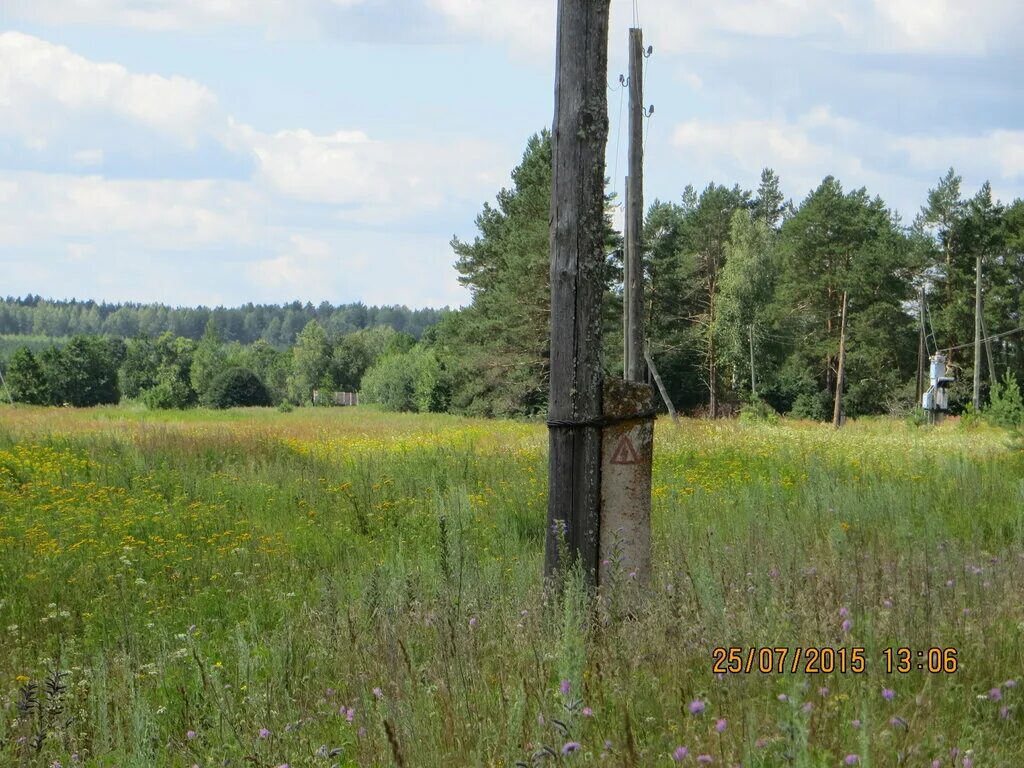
<point x="343" y="587"/>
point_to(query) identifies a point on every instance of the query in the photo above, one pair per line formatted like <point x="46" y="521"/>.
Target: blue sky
<point x="224" y="151"/>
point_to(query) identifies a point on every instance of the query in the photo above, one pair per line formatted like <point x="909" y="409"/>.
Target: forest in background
<point x="278" y="325"/>
<point x="732" y="275"/>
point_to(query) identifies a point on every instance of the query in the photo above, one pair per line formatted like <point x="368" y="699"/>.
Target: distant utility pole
<point x="837" y="410"/>
<point x="753" y="378"/>
<point x="6" y="388"/>
<point x="988" y="347"/>
<point x="921" y="351"/>
<point x="976" y="399"/>
<point x="579" y="139"/>
<point x="633" y="282"/>
<point x="626" y="291"/>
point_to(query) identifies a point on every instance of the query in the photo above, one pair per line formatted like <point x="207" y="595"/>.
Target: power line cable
<point x="982" y="341"/>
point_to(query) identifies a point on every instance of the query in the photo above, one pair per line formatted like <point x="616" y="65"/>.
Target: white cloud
<point x="167" y="15"/>
<point x="804" y="149"/>
<point x="374" y="181"/>
<point x="997" y="153"/>
<point x="45" y="89"/>
<point x="296" y="270"/>
<point x="698" y="26"/>
<point x="526" y="25"/>
<point x="297" y="227"/>
<point x="160" y="214"/>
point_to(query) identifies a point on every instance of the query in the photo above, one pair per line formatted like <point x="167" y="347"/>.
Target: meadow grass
<point x="343" y="587"/>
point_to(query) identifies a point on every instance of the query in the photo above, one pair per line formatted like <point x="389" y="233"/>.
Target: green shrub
<point x="917" y="417"/>
<point x="757" y="410"/>
<point x="410" y="381"/>
<point x="811" y="406"/>
<point x="237" y="388"/>
<point x="26" y="379"/>
<point x="1005" y="408"/>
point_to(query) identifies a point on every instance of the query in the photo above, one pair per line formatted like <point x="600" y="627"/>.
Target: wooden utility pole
<point x="625" y="289"/>
<point x="976" y="399"/>
<point x="579" y="138"/>
<point x="634" y="274"/>
<point x="837" y="410"/>
<point x="6" y="388"/>
<point x="988" y="348"/>
<point x="921" y="351"/>
<point x="753" y="378"/>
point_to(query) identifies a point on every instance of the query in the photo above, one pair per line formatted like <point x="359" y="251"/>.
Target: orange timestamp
<point x="827" y="660"/>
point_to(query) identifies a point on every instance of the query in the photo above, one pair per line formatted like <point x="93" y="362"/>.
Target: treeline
<point x="744" y="290"/>
<point x="277" y="325"/>
<point x="171" y="371"/>
<point x="739" y="279"/>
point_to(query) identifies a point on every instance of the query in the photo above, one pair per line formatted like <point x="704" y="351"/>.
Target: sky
<point x="224" y="151"/>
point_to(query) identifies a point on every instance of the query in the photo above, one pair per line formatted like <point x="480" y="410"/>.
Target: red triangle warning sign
<point x="624" y="452"/>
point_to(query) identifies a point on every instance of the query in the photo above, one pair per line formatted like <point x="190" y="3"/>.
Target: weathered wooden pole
<point x="920" y="350"/>
<point x="626" y="296"/>
<point x="635" y="370"/>
<point x="988" y="347"/>
<point x="753" y="377"/>
<point x="976" y="398"/>
<point x="837" y="409"/>
<point x="579" y="138"/>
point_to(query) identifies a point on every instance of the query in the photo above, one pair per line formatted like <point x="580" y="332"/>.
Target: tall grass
<point x="341" y="587"/>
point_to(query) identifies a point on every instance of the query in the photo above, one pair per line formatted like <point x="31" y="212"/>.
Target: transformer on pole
<point x="935" y="400"/>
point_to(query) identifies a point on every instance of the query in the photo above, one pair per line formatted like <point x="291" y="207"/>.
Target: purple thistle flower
<point x="968" y="762"/>
<point x="823" y="692"/>
<point x="570" y="747"/>
<point x="190" y="735"/>
<point x="1010" y="684"/>
<point x="888" y="694"/>
<point x="995" y="694"/>
<point x="721" y="725"/>
<point x="350" y="714"/>
<point x="264" y="733"/>
<point x="887" y="603"/>
<point x="472" y="622"/>
<point x="855" y="723"/>
<point x="696" y="707"/>
<point x="847" y="625"/>
<point x="587" y="712"/>
<point x="851" y="759"/>
<point x="782" y="697"/>
<point x="807" y="708"/>
<point x="936" y="763"/>
<point x="897" y="722"/>
<point x="844" y="612"/>
<point x="565" y="686"/>
<point x="705" y="759"/>
<point x="680" y="754"/>
<point x="378" y="693"/>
